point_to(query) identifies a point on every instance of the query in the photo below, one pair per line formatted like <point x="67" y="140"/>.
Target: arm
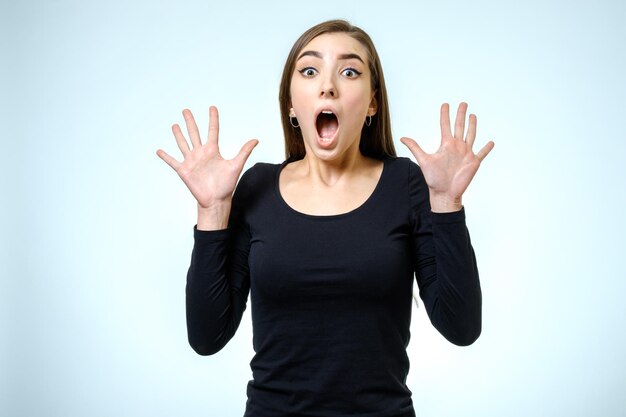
<point x="445" y="268"/>
<point x="445" y="263"/>
<point x="217" y="281"/>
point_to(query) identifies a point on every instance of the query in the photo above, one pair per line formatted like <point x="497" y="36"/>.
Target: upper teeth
<point x="327" y="112"/>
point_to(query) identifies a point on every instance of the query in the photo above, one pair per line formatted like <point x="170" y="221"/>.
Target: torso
<point x="330" y="291"/>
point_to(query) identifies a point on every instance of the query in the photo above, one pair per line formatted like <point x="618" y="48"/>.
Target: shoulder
<point x="262" y="168"/>
<point x="400" y="162"/>
<point x="259" y="173"/>
<point x="403" y="168"/>
<point x="408" y="177"/>
<point x="255" y="182"/>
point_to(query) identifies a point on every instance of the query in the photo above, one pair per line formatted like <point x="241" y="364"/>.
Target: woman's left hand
<point x="449" y="171"/>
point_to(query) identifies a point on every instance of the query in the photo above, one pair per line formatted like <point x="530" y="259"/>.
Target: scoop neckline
<point x="327" y="216"/>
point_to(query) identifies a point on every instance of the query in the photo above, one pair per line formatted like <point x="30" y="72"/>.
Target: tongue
<point x="327" y="125"/>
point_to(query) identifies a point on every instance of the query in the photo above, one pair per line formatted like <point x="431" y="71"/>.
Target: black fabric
<point x="331" y="295"/>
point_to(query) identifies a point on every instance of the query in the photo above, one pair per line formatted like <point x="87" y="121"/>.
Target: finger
<point x="485" y="150"/>
<point x="192" y="128"/>
<point x="459" y="124"/>
<point x="415" y="149"/>
<point x="214" y="125"/>
<point x="471" y="131"/>
<point x="168" y="159"/>
<point x="245" y="152"/>
<point x="445" y="121"/>
<point x="180" y="140"/>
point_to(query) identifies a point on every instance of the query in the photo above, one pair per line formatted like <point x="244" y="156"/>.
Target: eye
<point x="350" y="73"/>
<point x="308" y="71"/>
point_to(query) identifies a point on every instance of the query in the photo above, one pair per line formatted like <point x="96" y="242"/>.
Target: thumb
<point x="245" y="151"/>
<point x="415" y="149"/>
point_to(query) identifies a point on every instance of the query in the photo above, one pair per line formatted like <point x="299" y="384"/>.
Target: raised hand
<point x="210" y="178"/>
<point x="449" y="171"/>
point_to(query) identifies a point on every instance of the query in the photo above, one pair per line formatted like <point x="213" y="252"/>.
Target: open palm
<point x="210" y="178"/>
<point x="449" y="171"/>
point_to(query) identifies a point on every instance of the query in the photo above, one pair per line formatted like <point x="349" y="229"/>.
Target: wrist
<point x="442" y="203"/>
<point x="214" y="217"/>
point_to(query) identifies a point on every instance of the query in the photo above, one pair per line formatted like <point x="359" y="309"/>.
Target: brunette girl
<point x="328" y="242"/>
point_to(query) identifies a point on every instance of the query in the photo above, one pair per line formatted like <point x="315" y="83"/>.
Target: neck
<point x="329" y="172"/>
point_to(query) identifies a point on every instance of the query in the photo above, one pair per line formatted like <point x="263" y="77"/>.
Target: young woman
<point x="328" y="242"/>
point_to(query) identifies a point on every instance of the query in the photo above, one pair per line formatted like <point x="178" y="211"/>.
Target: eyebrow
<point x="319" y="55"/>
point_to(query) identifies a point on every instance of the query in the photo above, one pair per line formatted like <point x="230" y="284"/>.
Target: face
<point x="331" y="95"/>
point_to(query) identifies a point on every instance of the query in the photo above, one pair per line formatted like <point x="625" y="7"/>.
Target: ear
<point x="292" y="113"/>
<point x="373" y="108"/>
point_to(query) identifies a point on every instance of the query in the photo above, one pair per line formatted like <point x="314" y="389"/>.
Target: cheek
<point x="296" y="93"/>
<point x="360" y="100"/>
<point x="301" y="99"/>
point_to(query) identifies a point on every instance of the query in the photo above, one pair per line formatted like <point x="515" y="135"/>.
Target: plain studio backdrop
<point x="97" y="230"/>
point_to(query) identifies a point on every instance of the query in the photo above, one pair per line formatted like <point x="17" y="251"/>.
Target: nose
<point x="328" y="89"/>
<point x="328" y="92"/>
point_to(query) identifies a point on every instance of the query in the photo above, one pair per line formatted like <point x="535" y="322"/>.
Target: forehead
<point x="335" y="44"/>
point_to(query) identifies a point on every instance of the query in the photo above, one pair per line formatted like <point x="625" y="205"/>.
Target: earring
<point x="368" y="121"/>
<point x="292" y="115"/>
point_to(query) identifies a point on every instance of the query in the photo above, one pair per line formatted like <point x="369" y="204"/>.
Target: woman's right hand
<point x="210" y="178"/>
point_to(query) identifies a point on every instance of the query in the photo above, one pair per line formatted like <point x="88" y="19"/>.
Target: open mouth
<point x="327" y="124"/>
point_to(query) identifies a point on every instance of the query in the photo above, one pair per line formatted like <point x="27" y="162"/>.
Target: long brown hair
<point x="376" y="140"/>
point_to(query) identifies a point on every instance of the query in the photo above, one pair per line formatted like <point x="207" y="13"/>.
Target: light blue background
<point x="97" y="231"/>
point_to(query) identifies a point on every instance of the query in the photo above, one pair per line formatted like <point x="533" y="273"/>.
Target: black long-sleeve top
<point x="331" y="295"/>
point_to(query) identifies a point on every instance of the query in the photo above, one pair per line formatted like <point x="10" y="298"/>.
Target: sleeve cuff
<point x="452" y="217"/>
<point x="210" y="235"/>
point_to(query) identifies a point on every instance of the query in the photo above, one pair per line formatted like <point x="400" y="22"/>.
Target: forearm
<point x="452" y="290"/>
<point x="215" y="293"/>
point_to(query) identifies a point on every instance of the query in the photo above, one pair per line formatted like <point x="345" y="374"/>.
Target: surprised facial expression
<point x="331" y="94"/>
